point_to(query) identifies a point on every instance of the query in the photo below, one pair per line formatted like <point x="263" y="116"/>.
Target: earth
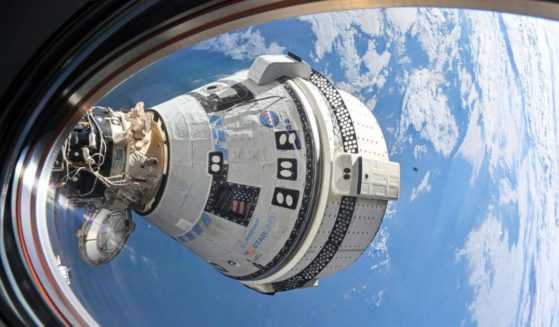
<point x="466" y="101"/>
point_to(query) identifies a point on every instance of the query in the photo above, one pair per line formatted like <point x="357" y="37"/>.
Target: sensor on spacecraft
<point x="272" y="175"/>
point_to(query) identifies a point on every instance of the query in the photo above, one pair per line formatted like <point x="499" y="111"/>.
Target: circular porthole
<point x="73" y="252"/>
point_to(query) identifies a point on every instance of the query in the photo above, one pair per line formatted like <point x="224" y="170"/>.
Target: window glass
<point x="466" y="102"/>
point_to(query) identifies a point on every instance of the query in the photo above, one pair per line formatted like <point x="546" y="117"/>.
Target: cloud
<point x="506" y="193"/>
<point x="426" y="106"/>
<point x="390" y="210"/>
<point x="513" y="127"/>
<point x="496" y="131"/>
<point x="473" y="148"/>
<point x="493" y="274"/>
<point x="378" y="250"/>
<point x="329" y="27"/>
<point x="419" y="150"/>
<point x="425" y="109"/>
<point x="423" y="187"/>
<point x="378" y="298"/>
<point x="337" y="32"/>
<point x="438" y="32"/>
<point x="243" y="45"/>
<point x="402" y="18"/>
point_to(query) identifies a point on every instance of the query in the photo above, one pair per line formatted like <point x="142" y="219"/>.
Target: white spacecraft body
<point x="272" y="175"/>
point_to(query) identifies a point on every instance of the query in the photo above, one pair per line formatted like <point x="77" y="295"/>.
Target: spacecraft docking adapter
<point x="272" y="175"/>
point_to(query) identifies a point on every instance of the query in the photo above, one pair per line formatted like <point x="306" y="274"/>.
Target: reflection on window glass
<point x="466" y="102"/>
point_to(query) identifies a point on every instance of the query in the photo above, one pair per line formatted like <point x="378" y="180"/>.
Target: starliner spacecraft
<point x="273" y="175"/>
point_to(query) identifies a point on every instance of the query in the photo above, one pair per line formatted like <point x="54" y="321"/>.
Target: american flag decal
<point x="234" y="202"/>
<point x="240" y="202"/>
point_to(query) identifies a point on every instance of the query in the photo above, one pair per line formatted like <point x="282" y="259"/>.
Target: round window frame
<point x="41" y="112"/>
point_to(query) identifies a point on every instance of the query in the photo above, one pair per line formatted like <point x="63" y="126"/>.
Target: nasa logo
<point x="269" y="118"/>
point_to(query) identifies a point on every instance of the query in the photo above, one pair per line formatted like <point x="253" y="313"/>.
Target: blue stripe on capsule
<point x="206" y="220"/>
<point x="197" y="229"/>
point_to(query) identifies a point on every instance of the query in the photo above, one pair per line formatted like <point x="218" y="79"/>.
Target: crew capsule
<point x="272" y="175"/>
